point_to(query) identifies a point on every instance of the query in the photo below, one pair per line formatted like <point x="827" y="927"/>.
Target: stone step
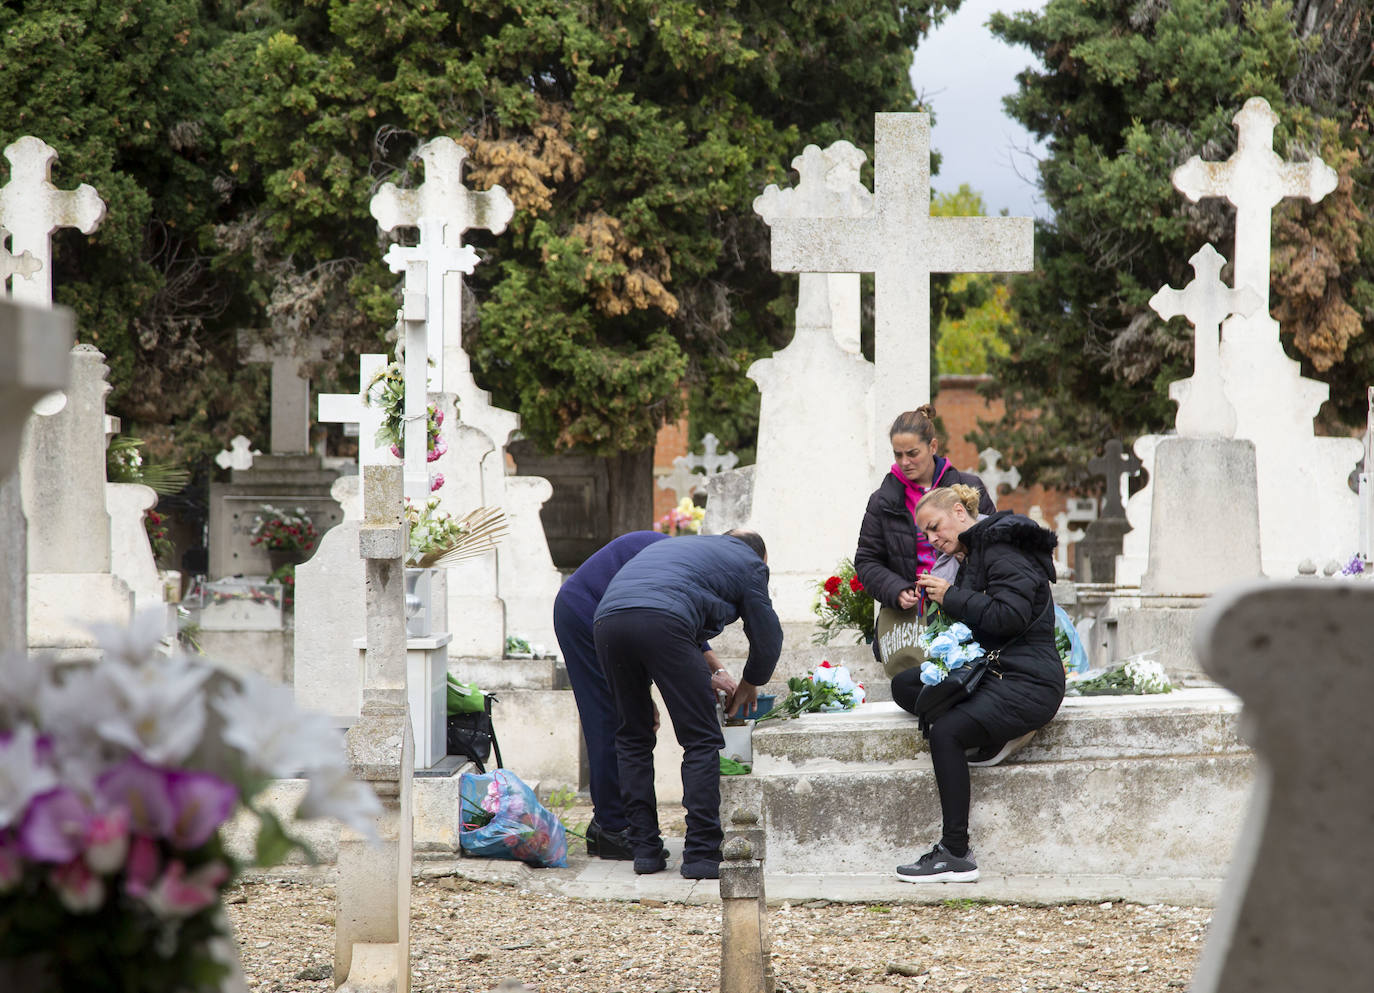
<point x="1119" y="787"/>
<point x="1185" y="722"/>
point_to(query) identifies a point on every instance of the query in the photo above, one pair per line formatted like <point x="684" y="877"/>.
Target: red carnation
<point x="832" y="585"/>
<point x="855" y="585"/>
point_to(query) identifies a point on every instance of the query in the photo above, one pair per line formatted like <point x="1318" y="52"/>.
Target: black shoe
<point x="645" y="865"/>
<point x="608" y="844"/>
<point x="939" y="865"/>
<point x="703" y="869"/>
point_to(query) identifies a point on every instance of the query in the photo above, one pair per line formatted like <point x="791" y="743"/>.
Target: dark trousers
<point x="596" y="708"/>
<point x="638" y="648"/>
<point x="950" y="737"/>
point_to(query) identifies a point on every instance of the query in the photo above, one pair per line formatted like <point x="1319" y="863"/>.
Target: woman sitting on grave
<point x="892" y="551"/>
<point x="1002" y="593"/>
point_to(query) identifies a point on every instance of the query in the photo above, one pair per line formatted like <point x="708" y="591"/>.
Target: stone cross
<point x="1203" y="410"/>
<point x="1115" y="466"/>
<point x="442" y="208"/>
<point x="1254" y="179"/>
<point x="290" y="390"/>
<point x="1038" y="516"/>
<point x="32" y="208"/>
<point x="352" y="408"/>
<point x="1280" y="923"/>
<point x="15" y="265"/>
<point x="413" y="317"/>
<point x="1067" y="537"/>
<point x="828" y="185"/>
<point x="994" y="475"/>
<point x="239" y="454"/>
<point x="902" y="245"/>
<point x="682" y="480"/>
<point x="712" y="461"/>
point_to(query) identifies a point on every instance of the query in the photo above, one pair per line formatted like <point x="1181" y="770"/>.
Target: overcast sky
<point x="963" y="72"/>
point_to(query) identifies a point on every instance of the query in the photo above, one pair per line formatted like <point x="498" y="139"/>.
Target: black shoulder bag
<point x="473" y="735"/>
<point x="959" y="684"/>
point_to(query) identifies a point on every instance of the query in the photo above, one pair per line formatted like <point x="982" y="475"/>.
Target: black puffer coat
<point x="1003" y="586"/>
<point x="885" y="560"/>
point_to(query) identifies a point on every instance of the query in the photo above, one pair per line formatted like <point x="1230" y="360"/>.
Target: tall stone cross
<point x="31" y="209"/>
<point x="1203" y="410"/>
<point x="828" y="185"/>
<point x="1116" y="466"/>
<point x="413" y="317"/>
<point x="15" y="265"/>
<point x="442" y="208"/>
<point x="902" y="245"/>
<point x="352" y="408"/>
<point x="712" y="461"/>
<point x="290" y="390"/>
<point x="1254" y="179"/>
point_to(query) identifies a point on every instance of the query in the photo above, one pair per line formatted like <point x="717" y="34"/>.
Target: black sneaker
<point x="939" y="865"/>
<point x="645" y="865"/>
<point x="704" y="869"/>
<point x="996" y="754"/>
<point x="608" y="844"/>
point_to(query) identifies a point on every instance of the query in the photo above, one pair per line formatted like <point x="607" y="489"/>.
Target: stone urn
<point x="420" y="613"/>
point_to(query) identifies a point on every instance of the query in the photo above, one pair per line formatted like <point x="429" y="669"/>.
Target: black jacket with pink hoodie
<point x="886" y="559"/>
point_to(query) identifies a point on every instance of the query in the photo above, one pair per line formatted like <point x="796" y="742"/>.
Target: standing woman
<point x="892" y="551"/>
<point x="1002" y="592"/>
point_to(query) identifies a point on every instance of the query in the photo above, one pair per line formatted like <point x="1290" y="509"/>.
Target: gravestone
<point x="352" y="408"/>
<point x="331" y="615"/>
<point x="822" y="360"/>
<point x="131" y="555"/>
<point x="1283" y="923"/>
<point x="902" y="244"/>
<point x="239" y="454"/>
<point x="510" y="588"/>
<point x="62" y="471"/>
<point x="31" y="210"/>
<point x="291" y="475"/>
<point x="34" y="345"/>
<point x="1274" y="404"/>
<point x="683" y="480"/>
<point x="372" y="925"/>
<point x="993" y="475"/>
<point x="1097" y="552"/>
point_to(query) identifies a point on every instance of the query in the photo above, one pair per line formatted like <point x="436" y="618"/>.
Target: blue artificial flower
<point x="961" y="632"/>
<point x="944" y="643"/>
<point x="931" y="673"/>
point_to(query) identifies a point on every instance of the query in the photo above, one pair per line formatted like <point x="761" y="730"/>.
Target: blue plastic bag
<point x="1078" y="655"/>
<point x="501" y="818"/>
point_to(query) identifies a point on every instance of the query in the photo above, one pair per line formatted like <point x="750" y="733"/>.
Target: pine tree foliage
<point x="1126" y="91"/>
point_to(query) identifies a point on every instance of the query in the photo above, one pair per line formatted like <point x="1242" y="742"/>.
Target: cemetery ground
<point x="493" y="921"/>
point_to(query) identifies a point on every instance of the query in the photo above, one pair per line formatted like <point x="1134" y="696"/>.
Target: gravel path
<point x="468" y="936"/>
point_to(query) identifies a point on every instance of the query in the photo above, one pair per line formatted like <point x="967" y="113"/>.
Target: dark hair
<point x="920" y="422"/>
<point x="750" y="538"/>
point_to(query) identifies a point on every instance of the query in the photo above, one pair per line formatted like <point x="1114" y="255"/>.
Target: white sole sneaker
<point x="949" y="876"/>
<point x="1002" y="753"/>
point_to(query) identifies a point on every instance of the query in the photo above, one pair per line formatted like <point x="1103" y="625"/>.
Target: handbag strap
<point x="996" y="652"/>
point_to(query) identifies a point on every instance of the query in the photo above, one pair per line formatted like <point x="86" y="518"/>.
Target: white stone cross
<point x="1203" y="410"/>
<point x="239" y="454"/>
<point x="994" y="475"/>
<point x="15" y="265"/>
<point x="683" y="481"/>
<point x="442" y="208"/>
<point x="1254" y="179"/>
<point x="902" y="245"/>
<point x="413" y="316"/>
<point x="290" y="390"/>
<point x="32" y="208"/>
<point x="1067" y="536"/>
<point x="712" y="461"/>
<point x="827" y="186"/>
<point x="352" y="408"/>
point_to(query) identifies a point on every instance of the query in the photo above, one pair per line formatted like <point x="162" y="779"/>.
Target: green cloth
<point x="729" y="767"/>
<point x="465" y="698"/>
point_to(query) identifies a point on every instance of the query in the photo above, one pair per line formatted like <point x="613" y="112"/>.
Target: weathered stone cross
<point x="290" y="390"/>
<point x="712" y="461"/>
<point x="1115" y="466"/>
<point x="994" y="475"/>
<point x="683" y="481"/>
<point x="450" y="208"/>
<point x="902" y="245"/>
<point x="352" y="408"/>
<point x="1254" y="179"/>
<point x="1203" y="410"/>
<point x="31" y="209"/>
<point x="15" y="265"/>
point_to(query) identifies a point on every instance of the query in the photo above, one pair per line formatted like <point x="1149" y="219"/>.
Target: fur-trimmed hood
<point x="1017" y="530"/>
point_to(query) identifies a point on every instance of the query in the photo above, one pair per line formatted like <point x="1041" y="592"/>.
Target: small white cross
<point x="351" y="408"/>
<point x="712" y="461"/>
<point x="993" y="475"/>
<point x="32" y="208"/>
<point x="1203" y="410"/>
<point x="682" y="480"/>
<point x="239" y="454"/>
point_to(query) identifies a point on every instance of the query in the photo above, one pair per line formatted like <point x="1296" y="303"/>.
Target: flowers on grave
<point x="948" y="645"/>
<point x="285" y="575"/>
<point x="842" y="604"/>
<point x="226" y="591"/>
<point x="1355" y="567"/>
<point x="438" y="538"/>
<point x="116" y="782"/>
<point x="283" y="530"/>
<point x="155" y="525"/>
<point x="829" y="688"/>
<point x="124" y="463"/>
<point x="387" y="390"/>
<point x="685" y="518"/>
<point x="1136" y="676"/>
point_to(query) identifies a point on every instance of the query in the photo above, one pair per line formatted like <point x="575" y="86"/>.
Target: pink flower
<point x="436" y="482"/>
<point x="80" y="890"/>
<point x="143" y="790"/>
<point x="181" y="894"/>
<point x="143" y="865"/>
<point x="54" y="827"/>
<point x="202" y="803"/>
<point x="396" y="450"/>
<point x="107" y="840"/>
<point x="438" y="418"/>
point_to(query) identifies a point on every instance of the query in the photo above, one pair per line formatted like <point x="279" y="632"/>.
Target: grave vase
<point x="420" y="602"/>
<point x="279" y="557"/>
